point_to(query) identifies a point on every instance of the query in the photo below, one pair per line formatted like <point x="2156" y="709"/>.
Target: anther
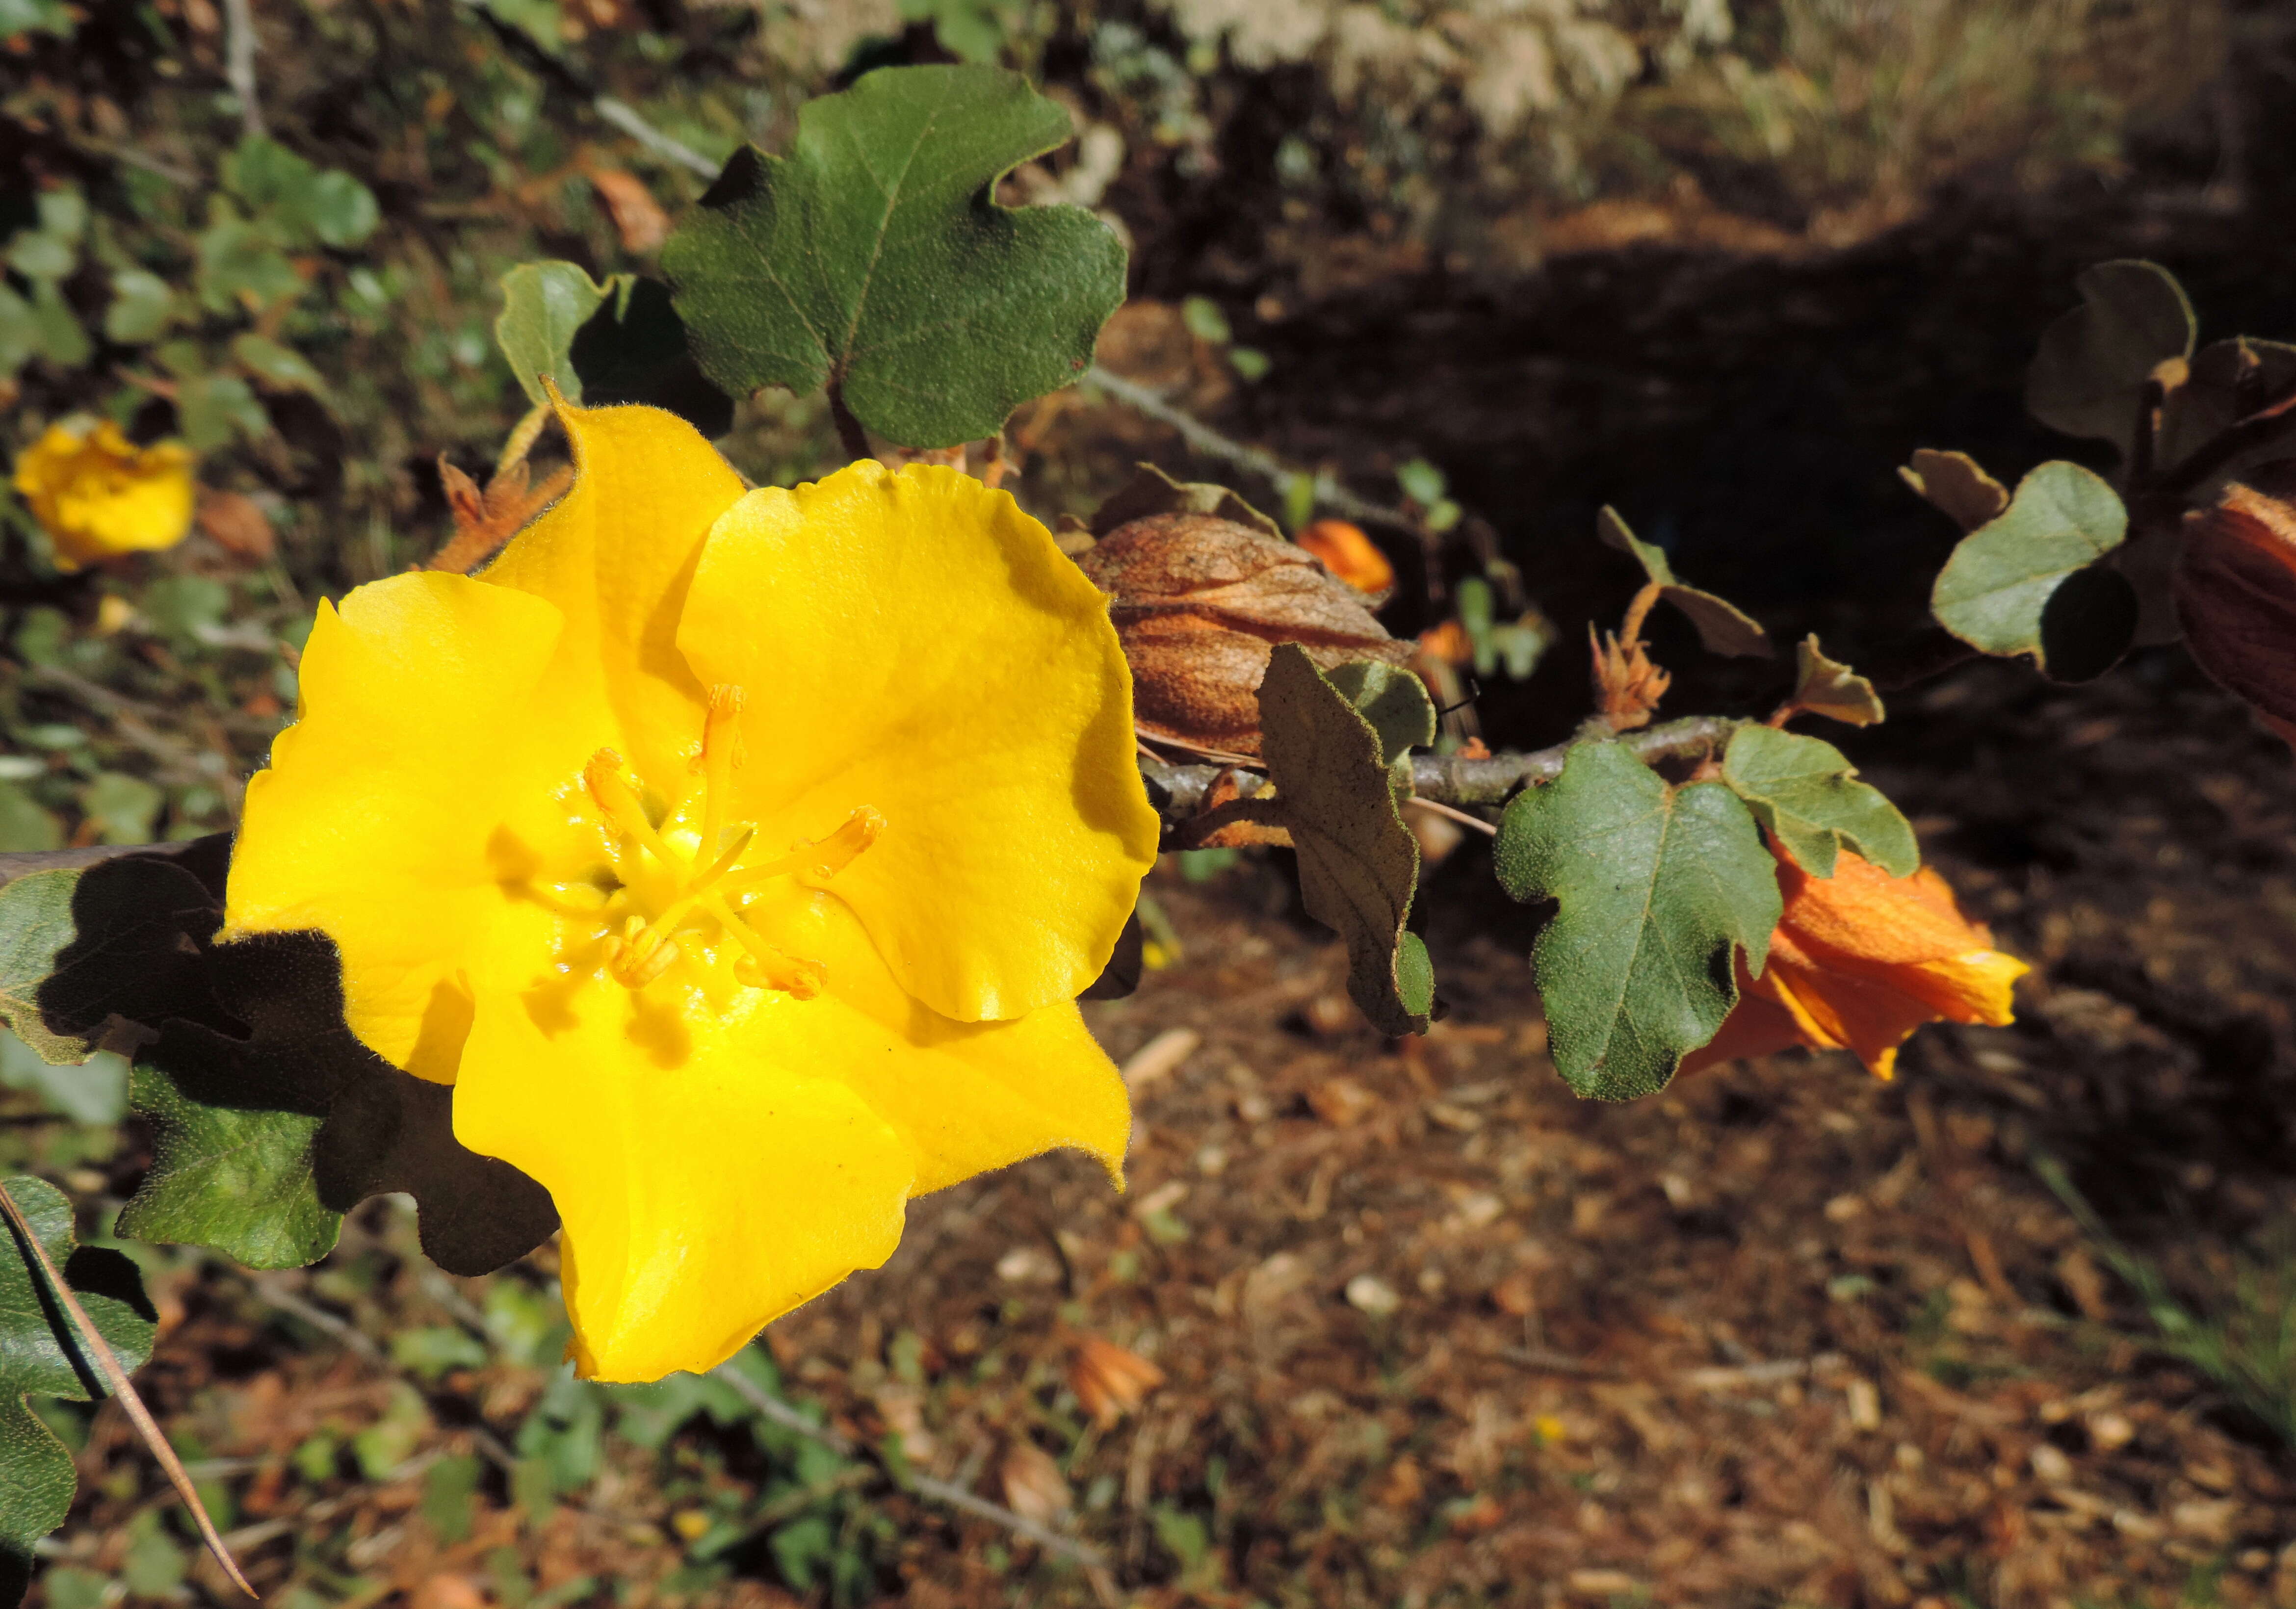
<point x="721" y="754"/>
<point x="635" y="963"/>
<point x="788" y="975"/>
<point x="603" y="777"/>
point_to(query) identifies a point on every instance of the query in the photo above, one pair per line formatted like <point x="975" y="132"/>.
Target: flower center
<point x="667" y="898"/>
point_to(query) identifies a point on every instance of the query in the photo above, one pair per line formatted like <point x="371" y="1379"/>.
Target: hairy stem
<point x="1452" y="779"/>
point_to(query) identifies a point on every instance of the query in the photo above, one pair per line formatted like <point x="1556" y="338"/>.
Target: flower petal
<point x="708" y="1181"/>
<point x="965" y="1097"/>
<point x="372" y="822"/>
<point x="716" y="1168"/>
<point x="913" y="643"/>
<point x="616" y="555"/>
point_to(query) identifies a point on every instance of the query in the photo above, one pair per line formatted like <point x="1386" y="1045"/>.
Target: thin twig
<point x="124" y="1393"/>
<point x="771" y="1408"/>
<point x="239" y="60"/>
<point x="1178" y="791"/>
<point x="625" y="116"/>
<point x="849" y="433"/>
<point x="1435" y="807"/>
<point x="1212" y="444"/>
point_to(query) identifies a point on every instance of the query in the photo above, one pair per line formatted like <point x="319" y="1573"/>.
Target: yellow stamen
<point x="764" y="967"/>
<point x="602" y="776"/>
<point x="824" y="858"/>
<point x="635" y="963"/>
<point x="721" y="753"/>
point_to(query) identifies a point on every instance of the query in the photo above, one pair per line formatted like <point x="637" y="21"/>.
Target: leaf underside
<point x="42" y="1354"/>
<point x="1336" y="789"/>
<point x="1658" y="890"/>
<point x="875" y="258"/>
<point x="1723" y="628"/>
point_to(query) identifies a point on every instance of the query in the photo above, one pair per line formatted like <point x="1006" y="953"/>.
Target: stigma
<point x="673" y="903"/>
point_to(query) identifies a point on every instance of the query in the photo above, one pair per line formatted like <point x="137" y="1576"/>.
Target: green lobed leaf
<point x="77" y="947"/>
<point x="544" y="304"/>
<point x="277" y="364"/>
<point x="42" y="1354"/>
<point x="875" y="258"/>
<point x="1999" y="592"/>
<point x="2088" y="377"/>
<point x="1806" y="793"/>
<point x="305" y="202"/>
<point x="1722" y="625"/>
<point x="1659" y="890"/>
<point x="1332" y="763"/>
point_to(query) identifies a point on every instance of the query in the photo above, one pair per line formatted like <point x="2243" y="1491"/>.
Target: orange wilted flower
<point x="1349" y="554"/>
<point x="1110" y="1381"/>
<point x="1859" y="960"/>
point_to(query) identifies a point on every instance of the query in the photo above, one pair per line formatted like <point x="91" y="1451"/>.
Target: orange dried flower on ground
<point x="1859" y="960"/>
<point x="2235" y="583"/>
<point x="1349" y="555"/>
<point x="1110" y="1380"/>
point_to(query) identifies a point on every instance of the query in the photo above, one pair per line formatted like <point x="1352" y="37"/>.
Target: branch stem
<point x="116" y="1378"/>
<point x="1452" y="779"/>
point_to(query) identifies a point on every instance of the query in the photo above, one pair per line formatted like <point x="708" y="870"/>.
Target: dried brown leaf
<point x="236" y="523"/>
<point x="1034" y="1487"/>
<point x="1827" y="687"/>
<point x="1110" y="1380"/>
<point x="639" y="219"/>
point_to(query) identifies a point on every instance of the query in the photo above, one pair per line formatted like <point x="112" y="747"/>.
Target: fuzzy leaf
<point x="265" y="1137"/>
<point x="2090" y="375"/>
<point x="1723" y="627"/>
<point x="1827" y="687"/>
<point x="77" y="947"/>
<point x="875" y="258"/>
<point x="41" y="1353"/>
<point x="544" y="304"/>
<point x="2029" y="583"/>
<point x="634" y="349"/>
<point x="1358" y="862"/>
<point x="1659" y="889"/>
<point x="1808" y="798"/>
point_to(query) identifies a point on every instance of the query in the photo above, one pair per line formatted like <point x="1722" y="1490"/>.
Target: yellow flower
<point x="98" y="495"/>
<point x="737" y="858"/>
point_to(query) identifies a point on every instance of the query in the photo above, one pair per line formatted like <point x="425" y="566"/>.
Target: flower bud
<point x="2236" y="582"/>
<point x="1200" y="602"/>
<point x="1350" y="555"/>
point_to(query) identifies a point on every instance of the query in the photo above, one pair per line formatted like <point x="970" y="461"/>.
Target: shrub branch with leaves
<point x="710" y="869"/>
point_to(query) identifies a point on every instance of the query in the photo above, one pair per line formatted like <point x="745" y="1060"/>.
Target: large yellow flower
<point x="737" y="858"/>
<point x="98" y="495"/>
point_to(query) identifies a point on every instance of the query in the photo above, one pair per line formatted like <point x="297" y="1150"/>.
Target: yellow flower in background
<point x="98" y="495"/>
<point x="736" y="856"/>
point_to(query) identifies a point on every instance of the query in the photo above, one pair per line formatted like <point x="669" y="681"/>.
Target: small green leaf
<point x="143" y="306"/>
<point x="2090" y="375"/>
<point x="1659" y="889"/>
<point x="24" y="825"/>
<point x="72" y="951"/>
<point x="241" y="267"/>
<point x="279" y="366"/>
<point x="1358" y="862"/>
<point x="1824" y="686"/>
<point x="341" y="210"/>
<point x="1393" y="700"/>
<point x="214" y="410"/>
<point x="41" y="1353"/>
<point x="94" y="1091"/>
<point x="2227" y="380"/>
<point x="305" y="201"/>
<point x="37" y="255"/>
<point x="1808" y="797"/>
<point x="544" y="304"/>
<point x="1722" y="625"/>
<point x="1957" y="485"/>
<point x="875" y="259"/>
<point x="1422" y="482"/>
<point x="56" y="329"/>
<point x="25" y="16"/>
<point x="1995" y="590"/>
